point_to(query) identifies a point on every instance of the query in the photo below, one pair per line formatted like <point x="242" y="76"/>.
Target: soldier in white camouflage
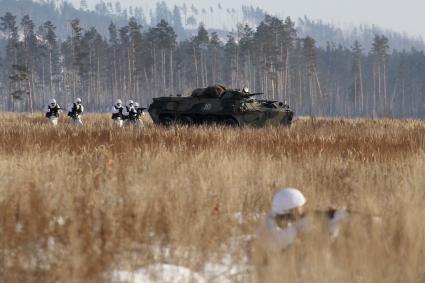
<point x="75" y="111"/>
<point x="117" y="113"/>
<point x="53" y="111"/>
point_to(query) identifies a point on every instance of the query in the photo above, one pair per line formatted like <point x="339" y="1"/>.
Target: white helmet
<point x="52" y="101"/>
<point x="130" y="103"/>
<point x="78" y="100"/>
<point x="287" y="199"/>
<point x="136" y="104"/>
<point x="118" y="102"/>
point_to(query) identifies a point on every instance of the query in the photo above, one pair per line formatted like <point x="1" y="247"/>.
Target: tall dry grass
<point x="78" y="202"/>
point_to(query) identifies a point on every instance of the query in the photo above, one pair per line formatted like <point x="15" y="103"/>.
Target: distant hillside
<point x="324" y="33"/>
<point x="185" y="20"/>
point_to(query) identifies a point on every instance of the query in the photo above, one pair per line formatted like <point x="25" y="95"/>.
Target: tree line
<point x="185" y="19"/>
<point x="137" y="63"/>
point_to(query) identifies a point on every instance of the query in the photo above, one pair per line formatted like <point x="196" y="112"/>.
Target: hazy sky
<point x="399" y="15"/>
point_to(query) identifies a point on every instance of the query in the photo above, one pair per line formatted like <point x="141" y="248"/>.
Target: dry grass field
<point x="77" y="203"/>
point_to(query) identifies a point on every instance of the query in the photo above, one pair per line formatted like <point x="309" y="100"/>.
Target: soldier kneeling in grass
<point x="288" y="234"/>
<point x="287" y="220"/>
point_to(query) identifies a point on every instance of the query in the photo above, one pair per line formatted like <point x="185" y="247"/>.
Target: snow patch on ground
<point x="164" y="273"/>
<point x="227" y="268"/>
<point x="160" y="272"/>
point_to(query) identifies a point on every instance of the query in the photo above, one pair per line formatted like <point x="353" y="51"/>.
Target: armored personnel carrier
<point x="218" y="105"/>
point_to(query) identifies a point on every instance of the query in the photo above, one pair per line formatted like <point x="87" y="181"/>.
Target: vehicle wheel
<point x="186" y="120"/>
<point x="210" y="120"/>
<point x="287" y="121"/>
<point x="167" y="121"/>
<point x="230" y="122"/>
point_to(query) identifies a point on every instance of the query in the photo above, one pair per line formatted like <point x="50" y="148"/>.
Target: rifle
<point x="54" y="112"/>
<point x="73" y="115"/>
<point x="74" y="112"/>
<point x="140" y="110"/>
<point x="117" y="115"/>
<point x="248" y="95"/>
<point x="331" y="212"/>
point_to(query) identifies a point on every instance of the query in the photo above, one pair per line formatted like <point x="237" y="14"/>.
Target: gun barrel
<point x="256" y="93"/>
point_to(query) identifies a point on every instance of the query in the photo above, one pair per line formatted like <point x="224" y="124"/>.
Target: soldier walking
<point x="53" y="112"/>
<point x="75" y="111"/>
<point x="117" y="113"/>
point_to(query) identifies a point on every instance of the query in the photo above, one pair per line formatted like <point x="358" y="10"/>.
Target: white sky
<point x="402" y="16"/>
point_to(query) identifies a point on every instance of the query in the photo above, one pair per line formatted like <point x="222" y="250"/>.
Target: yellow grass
<point x="76" y="203"/>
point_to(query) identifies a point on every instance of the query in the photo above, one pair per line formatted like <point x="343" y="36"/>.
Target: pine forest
<point x="140" y="61"/>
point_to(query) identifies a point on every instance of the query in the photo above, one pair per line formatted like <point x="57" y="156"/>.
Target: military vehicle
<point x="218" y="105"/>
